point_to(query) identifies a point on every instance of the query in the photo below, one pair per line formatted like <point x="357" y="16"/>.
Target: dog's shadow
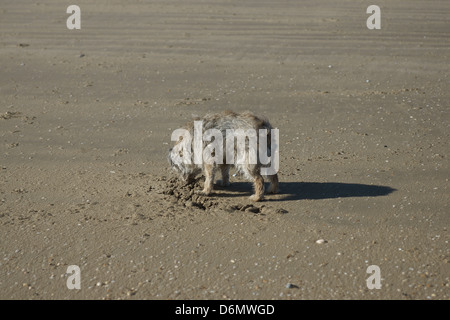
<point x="309" y="190"/>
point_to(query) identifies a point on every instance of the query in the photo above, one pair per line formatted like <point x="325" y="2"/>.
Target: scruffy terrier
<point x="223" y="124"/>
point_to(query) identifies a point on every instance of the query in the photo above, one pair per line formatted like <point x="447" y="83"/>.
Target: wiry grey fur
<point x="222" y="122"/>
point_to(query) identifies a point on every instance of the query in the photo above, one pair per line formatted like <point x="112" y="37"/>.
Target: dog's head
<point x="187" y="170"/>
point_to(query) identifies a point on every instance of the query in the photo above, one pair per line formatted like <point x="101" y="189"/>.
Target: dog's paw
<point x="223" y="184"/>
<point x="256" y="198"/>
<point x="203" y="192"/>
<point x="272" y="190"/>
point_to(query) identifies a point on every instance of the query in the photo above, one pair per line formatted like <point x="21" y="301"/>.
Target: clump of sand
<point x="185" y="194"/>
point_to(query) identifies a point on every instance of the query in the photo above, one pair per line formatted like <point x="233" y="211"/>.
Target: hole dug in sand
<point x="185" y="194"/>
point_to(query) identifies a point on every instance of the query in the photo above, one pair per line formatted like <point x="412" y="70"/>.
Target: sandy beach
<point x="86" y="118"/>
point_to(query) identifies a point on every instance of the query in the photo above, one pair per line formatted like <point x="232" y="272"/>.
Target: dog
<point x="224" y="123"/>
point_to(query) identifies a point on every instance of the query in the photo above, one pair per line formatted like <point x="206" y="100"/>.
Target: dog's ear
<point x="169" y="158"/>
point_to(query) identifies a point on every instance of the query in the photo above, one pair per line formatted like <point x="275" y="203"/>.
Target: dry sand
<point x="85" y="123"/>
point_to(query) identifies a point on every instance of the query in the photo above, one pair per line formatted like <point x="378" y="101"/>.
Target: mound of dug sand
<point x="185" y="194"/>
